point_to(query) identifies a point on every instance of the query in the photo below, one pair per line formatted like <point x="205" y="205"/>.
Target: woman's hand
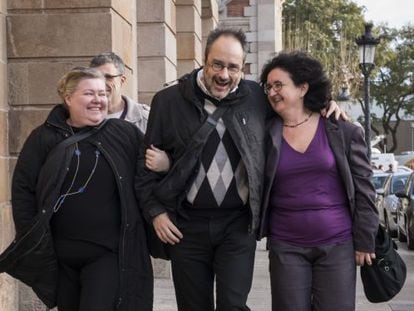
<point x="334" y="108"/>
<point x="361" y="258"/>
<point x="157" y="160"/>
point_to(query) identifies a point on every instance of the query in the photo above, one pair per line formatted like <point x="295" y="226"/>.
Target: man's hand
<point x="361" y="258"/>
<point x="334" y="108"/>
<point x="166" y="230"/>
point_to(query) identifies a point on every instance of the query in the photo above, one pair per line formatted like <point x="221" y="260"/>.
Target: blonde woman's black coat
<point x="36" y="186"/>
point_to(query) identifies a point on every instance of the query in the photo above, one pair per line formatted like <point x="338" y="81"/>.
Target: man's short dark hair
<point x="108" y="58"/>
<point x="238" y="34"/>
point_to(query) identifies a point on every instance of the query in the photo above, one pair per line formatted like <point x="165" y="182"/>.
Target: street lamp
<point x="343" y="99"/>
<point x="367" y="44"/>
<point x="344" y="95"/>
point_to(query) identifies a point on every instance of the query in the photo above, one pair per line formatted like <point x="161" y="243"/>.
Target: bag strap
<point x="76" y="138"/>
<point x="208" y="126"/>
<point x="174" y="181"/>
<point x="54" y="156"/>
<point x="204" y="131"/>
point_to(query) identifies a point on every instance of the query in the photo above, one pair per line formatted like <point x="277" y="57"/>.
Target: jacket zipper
<point x="124" y="223"/>
<point x="243" y="156"/>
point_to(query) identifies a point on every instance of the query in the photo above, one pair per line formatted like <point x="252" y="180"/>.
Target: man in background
<point x="120" y="106"/>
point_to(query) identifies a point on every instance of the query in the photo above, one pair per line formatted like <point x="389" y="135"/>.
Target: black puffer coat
<point x="37" y="182"/>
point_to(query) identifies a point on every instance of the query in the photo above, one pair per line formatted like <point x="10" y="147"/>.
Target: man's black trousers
<point x="214" y="247"/>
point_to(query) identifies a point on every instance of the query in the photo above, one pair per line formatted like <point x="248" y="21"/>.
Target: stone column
<point x="44" y="40"/>
<point x="47" y="38"/>
<point x="157" y="46"/>
<point x="189" y="47"/>
<point x="8" y="286"/>
<point x="209" y="20"/>
<point x="269" y="30"/>
<point x="262" y="23"/>
<point x="157" y="63"/>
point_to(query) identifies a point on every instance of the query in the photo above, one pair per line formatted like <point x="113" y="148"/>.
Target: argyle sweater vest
<point x="222" y="179"/>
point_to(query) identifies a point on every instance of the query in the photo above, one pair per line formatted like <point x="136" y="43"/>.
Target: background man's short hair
<point x="108" y="58"/>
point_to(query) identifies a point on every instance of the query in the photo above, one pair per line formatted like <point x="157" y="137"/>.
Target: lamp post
<point x="367" y="44"/>
<point x="343" y="99"/>
<point x="412" y="136"/>
<point x="344" y="95"/>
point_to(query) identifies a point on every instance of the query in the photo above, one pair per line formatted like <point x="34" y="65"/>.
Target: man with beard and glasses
<point x="210" y="226"/>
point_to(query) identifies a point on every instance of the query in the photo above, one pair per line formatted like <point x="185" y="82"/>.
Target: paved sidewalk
<point x="259" y="298"/>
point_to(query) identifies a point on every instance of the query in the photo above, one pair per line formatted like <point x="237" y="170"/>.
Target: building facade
<point x="159" y="41"/>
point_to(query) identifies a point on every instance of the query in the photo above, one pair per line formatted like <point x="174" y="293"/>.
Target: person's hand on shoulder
<point x="334" y="108"/>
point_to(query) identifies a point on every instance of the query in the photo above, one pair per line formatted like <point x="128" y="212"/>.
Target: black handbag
<point x="386" y="276"/>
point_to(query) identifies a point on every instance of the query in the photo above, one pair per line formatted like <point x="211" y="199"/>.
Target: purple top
<point x="308" y="201"/>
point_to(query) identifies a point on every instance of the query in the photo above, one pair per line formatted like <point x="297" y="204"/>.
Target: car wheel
<point x="400" y="235"/>
<point x="410" y="240"/>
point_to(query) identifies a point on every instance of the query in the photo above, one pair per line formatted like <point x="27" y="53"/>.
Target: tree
<point x="326" y="29"/>
<point x="392" y="86"/>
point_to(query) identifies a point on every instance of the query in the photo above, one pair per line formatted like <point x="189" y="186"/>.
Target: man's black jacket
<point x="177" y="113"/>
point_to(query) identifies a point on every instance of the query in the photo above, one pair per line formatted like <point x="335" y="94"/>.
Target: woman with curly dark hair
<point x="319" y="213"/>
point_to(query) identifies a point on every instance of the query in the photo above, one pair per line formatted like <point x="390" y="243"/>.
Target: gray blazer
<point x="349" y="148"/>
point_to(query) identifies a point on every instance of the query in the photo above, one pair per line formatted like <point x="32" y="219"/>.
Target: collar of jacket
<point x="336" y="139"/>
<point x="187" y="85"/>
<point x="58" y="116"/>
<point x="275" y="130"/>
<point x="133" y="114"/>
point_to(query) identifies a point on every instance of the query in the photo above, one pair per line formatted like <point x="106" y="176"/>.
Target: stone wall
<point x="43" y="40"/>
<point x="157" y="46"/>
<point x="8" y="286"/>
<point x="264" y="34"/>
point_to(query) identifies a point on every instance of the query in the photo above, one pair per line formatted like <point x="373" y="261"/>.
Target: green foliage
<point x="326" y="29"/>
<point x="393" y="83"/>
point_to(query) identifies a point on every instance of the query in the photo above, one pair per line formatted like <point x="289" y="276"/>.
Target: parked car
<point x="379" y="178"/>
<point x="405" y="213"/>
<point x="386" y="200"/>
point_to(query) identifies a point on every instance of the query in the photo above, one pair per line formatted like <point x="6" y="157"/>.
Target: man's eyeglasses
<point x="217" y="67"/>
<point x="110" y="77"/>
<point x="275" y="86"/>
